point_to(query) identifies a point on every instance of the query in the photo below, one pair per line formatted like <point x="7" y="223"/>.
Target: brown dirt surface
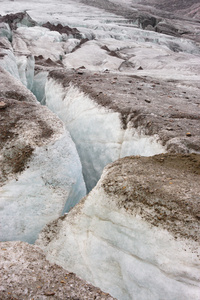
<point x="63" y="29"/>
<point x="163" y="189"/>
<point x="22" y="129"/>
<point x="26" y="274"/>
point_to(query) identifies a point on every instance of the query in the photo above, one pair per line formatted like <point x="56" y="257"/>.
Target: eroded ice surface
<point x="125" y="241"/>
<point x="50" y="186"/>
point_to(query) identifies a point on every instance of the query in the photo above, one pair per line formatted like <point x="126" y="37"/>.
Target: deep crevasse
<point x="96" y="130"/>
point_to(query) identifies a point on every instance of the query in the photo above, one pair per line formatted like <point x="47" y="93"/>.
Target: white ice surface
<point x="121" y="253"/>
<point x="96" y="131"/>
<point x="62" y="11"/>
<point x="131" y="258"/>
<point x="156" y="60"/>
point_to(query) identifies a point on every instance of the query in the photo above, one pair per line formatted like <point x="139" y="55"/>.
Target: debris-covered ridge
<point x="167" y="108"/>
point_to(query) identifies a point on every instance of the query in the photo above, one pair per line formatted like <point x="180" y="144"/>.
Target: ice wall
<point x="38" y="87"/>
<point x="96" y="130"/>
<point x="7" y="58"/>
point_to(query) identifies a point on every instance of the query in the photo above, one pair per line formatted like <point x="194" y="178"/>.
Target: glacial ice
<point x="38" y="87"/>
<point x="96" y="131"/>
<point x="51" y="185"/>
<point x="5" y="31"/>
<point x="52" y="182"/>
<point x="8" y="62"/>
<point x="120" y="252"/>
<point x="156" y="60"/>
<point x="26" y="66"/>
<point x="35" y="33"/>
<point x="132" y="257"/>
<point x="123" y="33"/>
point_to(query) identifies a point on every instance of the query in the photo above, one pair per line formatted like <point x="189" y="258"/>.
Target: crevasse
<point x="96" y="130"/>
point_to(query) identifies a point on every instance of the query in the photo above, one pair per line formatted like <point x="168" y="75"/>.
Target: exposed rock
<point x="26" y="274"/>
<point x="137" y="230"/>
<point x="63" y="29"/>
<point x="40" y="61"/>
<point x="146" y="20"/>
<point x="82" y="41"/>
<point x="3" y="105"/>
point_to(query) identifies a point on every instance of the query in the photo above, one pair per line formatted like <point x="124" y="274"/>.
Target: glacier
<point x="124" y="81"/>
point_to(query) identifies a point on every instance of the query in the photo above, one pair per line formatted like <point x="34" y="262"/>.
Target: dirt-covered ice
<point x="26" y="274"/>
